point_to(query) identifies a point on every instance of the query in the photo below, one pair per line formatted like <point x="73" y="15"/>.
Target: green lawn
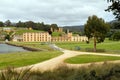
<point x="25" y="58"/>
<point x="21" y="31"/>
<point x="108" y="46"/>
<point x="90" y="58"/>
<point x="56" y="34"/>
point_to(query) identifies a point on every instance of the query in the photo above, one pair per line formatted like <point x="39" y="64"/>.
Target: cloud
<point x="61" y="12"/>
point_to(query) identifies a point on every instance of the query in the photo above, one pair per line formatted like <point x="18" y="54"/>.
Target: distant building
<point x="46" y="37"/>
<point x="69" y="37"/>
<point x="2" y="37"/>
<point x="56" y="30"/>
<point x="79" y="38"/>
<point x="7" y="29"/>
<point x="17" y="38"/>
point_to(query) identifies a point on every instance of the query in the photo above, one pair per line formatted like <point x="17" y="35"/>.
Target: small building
<point x="79" y="38"/>
<point x="17" y="38"/>
<point x="7" y="29"/>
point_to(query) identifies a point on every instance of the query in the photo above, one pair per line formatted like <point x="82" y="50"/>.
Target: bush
<point x="12" y="74"/>
<point x="116" y="36"/>
<point x="92" y="50"/>
<point x="93" y="72"/>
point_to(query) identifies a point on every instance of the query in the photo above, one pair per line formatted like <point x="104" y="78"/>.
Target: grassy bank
<point x="107" y="46"/>
<point x="36" y="45"/>
<point x="25" y="58"/>
<point x="103" y="72"/>
<point x="90" y="58"/>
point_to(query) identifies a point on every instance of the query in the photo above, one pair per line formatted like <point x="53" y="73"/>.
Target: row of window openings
<point x="35" y="35"/>
<point x="36" y="40"/>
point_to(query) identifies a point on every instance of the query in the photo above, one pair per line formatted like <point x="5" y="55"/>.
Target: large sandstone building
<point x="36" y="37"/>
<point x="46" y="37"/>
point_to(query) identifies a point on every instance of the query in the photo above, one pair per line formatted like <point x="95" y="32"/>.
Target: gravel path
<point x="58" y="61"/>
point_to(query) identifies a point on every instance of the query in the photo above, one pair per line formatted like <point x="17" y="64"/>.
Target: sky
<point x="61" y="12"/>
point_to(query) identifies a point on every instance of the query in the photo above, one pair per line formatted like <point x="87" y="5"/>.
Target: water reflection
<point x="4" y="48"/>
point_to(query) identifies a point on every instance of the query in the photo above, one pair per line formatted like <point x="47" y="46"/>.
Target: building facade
<point x="36" y="37"/>
<point x="79" y="38"/>
<point x="45" y="37"/>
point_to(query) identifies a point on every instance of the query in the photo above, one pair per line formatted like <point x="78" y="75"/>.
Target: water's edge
<point x="24" y="47"/>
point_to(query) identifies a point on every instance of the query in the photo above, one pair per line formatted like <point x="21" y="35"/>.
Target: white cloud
<point x="62" y="12"/>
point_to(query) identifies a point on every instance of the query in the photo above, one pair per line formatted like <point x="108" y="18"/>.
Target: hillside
<point x="74" y="28"/>
<point x="21" y="31"/>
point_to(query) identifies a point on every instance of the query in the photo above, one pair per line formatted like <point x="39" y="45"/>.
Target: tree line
<point x="29" y="24"/>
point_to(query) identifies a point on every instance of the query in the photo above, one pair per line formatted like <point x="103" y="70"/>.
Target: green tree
<point x="1" y="24"/>
<point x="9" y="36"/>
<point x="7" y="23"/>
<point x="96" y="28"/>
<point x="54" y="26"/>
<point x="115" y="8"/>
<point x="30" y="24"/>
<point x="115" y="25"/>
<point x="116" y="36"/>
<point x="20" y="24"/>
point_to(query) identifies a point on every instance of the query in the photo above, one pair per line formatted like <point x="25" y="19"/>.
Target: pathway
<point x="58" y="61"/>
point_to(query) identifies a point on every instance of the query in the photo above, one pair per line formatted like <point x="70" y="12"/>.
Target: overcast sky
<point x="61" y="12"/>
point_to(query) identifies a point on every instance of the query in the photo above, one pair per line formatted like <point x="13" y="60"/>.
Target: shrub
<point x="94" y="72"/>
<point x="92" y="50"/>
<point x="116" y="36"/>
<point x="12" y="74"/>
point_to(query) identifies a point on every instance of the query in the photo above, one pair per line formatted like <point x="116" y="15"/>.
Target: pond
<point x="5" y="48"/>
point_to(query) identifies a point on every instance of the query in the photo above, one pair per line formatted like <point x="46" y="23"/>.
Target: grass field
<point x="21" y="31"/>
<point x="56" y="34"/>
<point x="108" y="46"/>
<point x="90" y="58"/>
<point x="25" y="58"/>
<point x="18" y="59"/>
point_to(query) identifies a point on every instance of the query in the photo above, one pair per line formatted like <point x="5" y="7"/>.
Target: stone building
<point x="79" y="38"/>
<point x="36" y="37"/>
<point x="17" y="38"/>
<point x="45" y="37"/>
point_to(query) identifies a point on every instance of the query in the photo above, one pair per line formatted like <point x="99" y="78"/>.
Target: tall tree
<point x="115" y="8"/>
<point x="7" y="23"/>
<point x="1" y="24"/>
<point x="20" y="24"/>
<point x="115" y="25"/>
<point x="30" y="24"/>
<point x="96" y="28"/>
<point x="54" y="26"/>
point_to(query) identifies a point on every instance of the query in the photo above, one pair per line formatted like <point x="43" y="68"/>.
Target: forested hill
<point x="113" y="24"/>
<point x="74" y="28"/>
<point x="29" y="24"/>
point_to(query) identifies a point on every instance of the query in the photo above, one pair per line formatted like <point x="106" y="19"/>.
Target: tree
<point x="115" y="8"/>
<point x="1" y="24"/>
<point x="96" y="28"/>
<point x="20" y="24"/>
<point x="30" y="24"/>
<point x="116" y="36"/>
<point x="50" y="32"/>
<point x="7" y="23"/>
<point x="115" y="25"/>
<point x="54" y="26"/>
<point x="9" y="36"/>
